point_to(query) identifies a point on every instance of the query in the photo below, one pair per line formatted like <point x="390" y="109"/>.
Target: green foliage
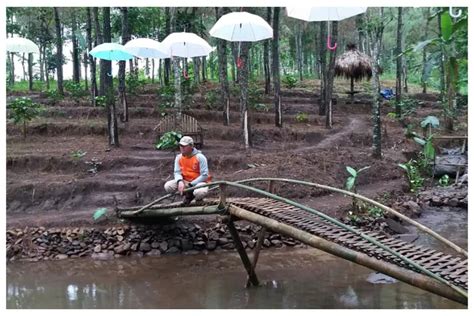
<point x="375" y="212"/>
<point x="54" y="96"/>
<point x="101" y="101"/>
<point x="75" y="89"/>
<point x="302" y="117"/>
<point x="407" y="105"/>
<point x="444" y="180"/>
<point x="134" y="83"/>
<point x="22" y="110"/>
<point x="169" y="140"/>
<point x="392" y="115"/>
<point x="166" y="95"/>
<point x="98" y="213"/>
<point x="78" y="154"/>
<point x="415" y="180"/>
<point x="261" y="107"/>
<point x="211" y="98"/>
<point x="351" y="180"/>
<point x="255" y="95"/>
<point x="289" y="80"/>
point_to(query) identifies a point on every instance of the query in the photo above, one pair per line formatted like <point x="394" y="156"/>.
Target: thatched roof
<point x="353" y="64"/>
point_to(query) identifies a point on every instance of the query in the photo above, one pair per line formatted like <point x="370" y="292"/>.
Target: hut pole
<point x="352" y="89"/>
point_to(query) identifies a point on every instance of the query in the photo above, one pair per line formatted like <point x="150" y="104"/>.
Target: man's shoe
<point x="187" y="199"/>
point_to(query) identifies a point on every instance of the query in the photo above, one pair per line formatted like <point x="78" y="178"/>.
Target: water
<point x="304" y="278"/>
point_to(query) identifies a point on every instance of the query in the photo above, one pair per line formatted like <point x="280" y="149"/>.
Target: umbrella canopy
<point x="147" y="48"/>
<point x="187" y="45"/>
<point x="313" y="14"/>
<point x="353" y="64"/>
<point x="21" y="45"/>
<point x="111" y="51"/>
<point x="241" y="27"/>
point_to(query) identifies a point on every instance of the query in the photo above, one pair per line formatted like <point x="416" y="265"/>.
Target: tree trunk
<point x="398" y="92"/>
<point x="442" y="83"/>
<point x="167" y="32"/>
<point x="204" y="68"/>
<point x="243" y="77"/>
<point x="322" y="62"/>
<point x="196" y="61"/>
<point x="85" y="71"/>
<point x="42" y="56"/>
<point x="23" y="66"/>
<point x="153" y="70"/>
<point x="374" y="37"/>
<point x="299" y="49"/>
<point x="59" y="52"/>
<point x="99" y="40"/>
<point x="177" y="72"/>
<point x="222" y="60"/>
<point x="30" y="71"/>
<point x="266" y="56"/>
<point x="235" y="55"/>
<point x="330" y="76"/>
<point x="276" y="67"/>
<point x="93" y="91"/>
<point x="106" y="68"/>
<point x="12" y="76"/>
<point x="425" y="37"/>
<point x="76" y="67"/>
<point x="123" y="65"/>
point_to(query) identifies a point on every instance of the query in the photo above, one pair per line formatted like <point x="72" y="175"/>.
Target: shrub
<point x="169" y="140"/>
<point x="23" y="110"/>
<point x="75" y="89"/>
<point x="290" y="81"/>
<point x="302" y="117"/>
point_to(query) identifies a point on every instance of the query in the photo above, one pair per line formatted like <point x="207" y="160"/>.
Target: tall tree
<point x="243" y="77"/>
<point x="322" y="62"/>
<point x="330" y="77"/>
<point x="398" y="94"/>
<point x="59" y="51"/>
<point x="93" y="91"/>
<point x="106" y="69"/>
<point x="30" y="71"/>
<point x="266" y="56"/>
<point x="176" y="70"/>
<point x="123" y="64"/>
<point x="442" y="81"/>
<point x="426" y="15"/>
<point x="76" y="67"/>
<point x="374" y="29"/>
<point x="299" y="48"/>
<point x="222" y="61"/>
<point x="276" y="67"/>
<point x="167" y="32"/>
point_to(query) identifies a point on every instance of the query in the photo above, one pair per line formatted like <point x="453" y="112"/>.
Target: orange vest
<point x="190" y="168"/>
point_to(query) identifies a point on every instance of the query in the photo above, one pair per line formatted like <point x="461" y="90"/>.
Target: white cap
<point x="186" y="141"/>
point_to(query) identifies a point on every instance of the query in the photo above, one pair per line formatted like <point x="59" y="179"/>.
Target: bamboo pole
<point x="407" y="276"/>
<point x="256" y="252"/>
<point x="375" y="203"/>
<point x="160" y="212"/>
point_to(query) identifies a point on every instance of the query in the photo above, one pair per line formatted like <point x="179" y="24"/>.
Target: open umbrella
<point x="187" y="45"/>
<point x="111" y="51"/>
<point x="314" y="14"/>
<point x="147" y="48"/>
<point x="241" y="27"/>
<point x="21" y="45"/>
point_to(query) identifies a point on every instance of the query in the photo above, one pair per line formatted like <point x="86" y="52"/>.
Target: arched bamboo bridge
<point x="419" y="266"/>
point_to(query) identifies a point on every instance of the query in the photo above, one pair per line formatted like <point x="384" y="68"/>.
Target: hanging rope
<point x="328" y="44"/>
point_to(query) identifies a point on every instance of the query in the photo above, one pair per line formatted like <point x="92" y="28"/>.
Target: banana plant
<point x="351" y="180"/>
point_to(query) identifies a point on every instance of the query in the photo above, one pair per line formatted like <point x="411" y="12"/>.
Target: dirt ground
<point x="48" y="184"/>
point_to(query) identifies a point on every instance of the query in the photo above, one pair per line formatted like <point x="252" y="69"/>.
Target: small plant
<point x="392" y="116"/>
<point x="351" y="180"/>
<point x="261" y="107"/>
<point x="428" y="153"/>
<point x="23" y="110"/>
<point x="302" y="117"/>
<point x="415" y="180"/>
<point x="75" y="89"/>
<point x="290" y="81"/>
<point x="375" y="212"/>
<point x="444" y="180"/>
<point x="169" y="140"/>
<point x="101" y="101"/>
<point x="133" y="83"/>
<point x="211" y="99"/>
<point x="54" y="96"/>
<point x="166" y="96"/>
<point x="428" y="123"/>
<point x="78" y="154"/>
<point x="354" y="218"/>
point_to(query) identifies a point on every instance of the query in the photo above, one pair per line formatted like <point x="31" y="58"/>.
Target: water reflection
<point x="290" y="279"/>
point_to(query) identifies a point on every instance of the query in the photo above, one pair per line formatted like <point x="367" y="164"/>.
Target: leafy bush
<point x="289" y="80"/>
<point x="23" y="110"/>
<point x="415" y="180"/>
<point x="261" y="107"/>
<point x="444" y="180"/>
<point x="408" y="106"/>
<point x="166" y="96"/>
<point x="169" y="140"/>
<point x="101" y="101"/>
<point x="133" y="83"/>
<point x="54" y="96"/>
<point x="302" y="117"/>
<point x="78" y="154"/>
<point x="75" y="89"/>
<point x="211" y="98"/>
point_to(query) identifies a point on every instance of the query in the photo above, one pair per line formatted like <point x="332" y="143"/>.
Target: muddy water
<point x="304" y="278"/>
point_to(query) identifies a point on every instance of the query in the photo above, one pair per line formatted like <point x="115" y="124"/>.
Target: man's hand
<point x="181" y="187"/>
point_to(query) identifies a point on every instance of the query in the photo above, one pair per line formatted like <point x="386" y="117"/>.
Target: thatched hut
<point x="353" y="65"/>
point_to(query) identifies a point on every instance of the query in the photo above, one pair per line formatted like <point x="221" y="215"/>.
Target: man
<point x="190" y="170"/>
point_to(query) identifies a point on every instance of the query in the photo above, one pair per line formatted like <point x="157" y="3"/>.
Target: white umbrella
<point x="147" y="48"/>
<point x="21" y="45"/>
<point x="314" y="14"/>
<point x="186" y="45"/>
<point x="241" y="27"/>
<point x="111" y="51"/>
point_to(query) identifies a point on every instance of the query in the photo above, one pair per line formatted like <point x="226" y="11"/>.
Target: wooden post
<point x="222" y="194"/>
<point x="256" y="251"/>
<point x="241" y="250"/>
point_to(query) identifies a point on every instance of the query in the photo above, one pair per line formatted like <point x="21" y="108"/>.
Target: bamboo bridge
<point x="425" y="268"/>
